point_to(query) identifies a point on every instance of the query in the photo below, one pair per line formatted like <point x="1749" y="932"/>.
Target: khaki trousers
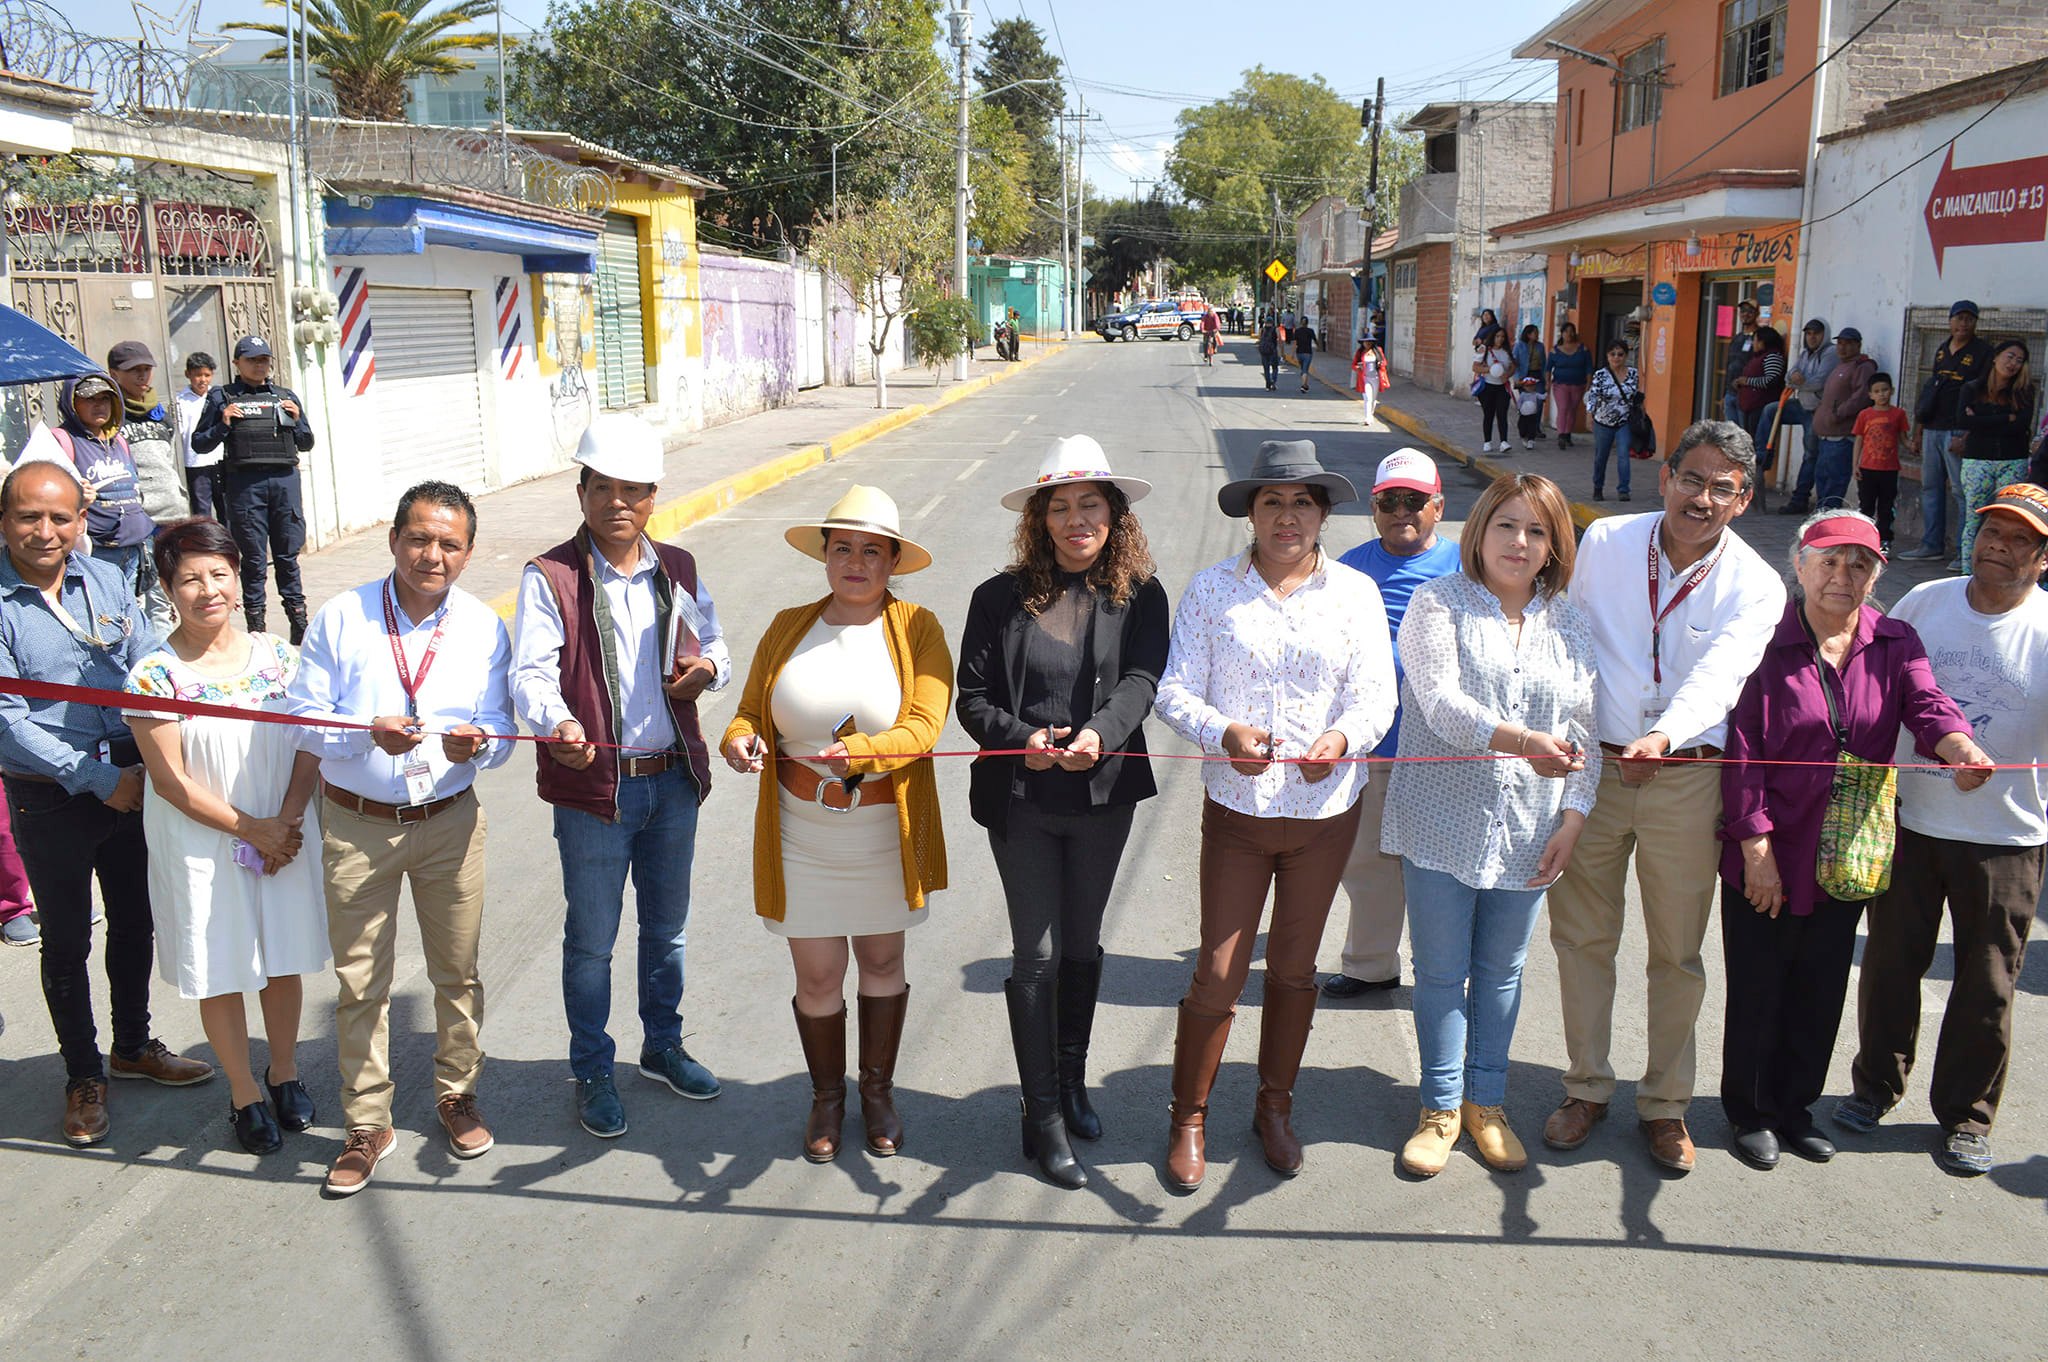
<point x="365" y="860"/>
<point x="1372" y="882"/>
<point x="1672" y="821"/>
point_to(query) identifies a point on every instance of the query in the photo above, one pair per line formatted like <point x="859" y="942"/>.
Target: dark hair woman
<point x="1493" y="370"/>
<point x="1061" y="658"/>
<point x="1761" y="381"/>
<point x="1530" y="385"/>
<point x="1570" y="370"/>
<point x="238" y="907"/>
<point x="1997" y="411"/>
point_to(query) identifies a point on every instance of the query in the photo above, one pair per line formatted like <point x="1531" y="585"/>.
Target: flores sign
<point x="2002" y="203"/>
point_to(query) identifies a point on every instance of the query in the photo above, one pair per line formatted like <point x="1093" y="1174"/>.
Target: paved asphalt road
<point x="702" y="1234"/>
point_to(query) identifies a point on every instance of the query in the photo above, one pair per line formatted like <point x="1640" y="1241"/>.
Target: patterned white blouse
<point x="1297" y="666"/>
<point x="1486" y="821"/>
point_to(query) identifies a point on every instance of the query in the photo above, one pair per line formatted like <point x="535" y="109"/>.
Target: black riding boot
<point x="1079" y="982"/>
<point x="1031" y="1032"/>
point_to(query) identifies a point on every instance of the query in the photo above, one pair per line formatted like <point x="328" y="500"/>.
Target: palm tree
<point x="370" y="50"/>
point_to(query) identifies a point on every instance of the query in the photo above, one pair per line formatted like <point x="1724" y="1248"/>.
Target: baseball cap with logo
<point x="252" y="347"/>
<point x="1409" y="468"/>
<point x="1961" y="306"/>
<point x="2023" y="499"/>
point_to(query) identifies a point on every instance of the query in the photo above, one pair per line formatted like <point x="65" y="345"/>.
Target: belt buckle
<point x="408" y="814"/>
<point x="852" y="794"/>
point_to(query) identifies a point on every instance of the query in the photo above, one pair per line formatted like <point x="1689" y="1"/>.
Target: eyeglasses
<point x="1411" y="502"/>
<point x="1720" y="493"/>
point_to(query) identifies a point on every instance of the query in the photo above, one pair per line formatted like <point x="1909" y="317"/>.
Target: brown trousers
<point x="366" y="858"/>
<point x="1300" y="860"/>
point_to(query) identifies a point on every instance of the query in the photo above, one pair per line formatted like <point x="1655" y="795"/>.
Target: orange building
<point x="1684" y="150"/>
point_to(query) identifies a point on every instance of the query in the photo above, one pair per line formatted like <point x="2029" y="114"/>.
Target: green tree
<point x="759" y="105"/>
<point x="998" y="174"/>
<point x="1015" y="56"/>
<point x="370" y="50"/>
<point x="882" y="252"/>
<point x="1129" y="235"/>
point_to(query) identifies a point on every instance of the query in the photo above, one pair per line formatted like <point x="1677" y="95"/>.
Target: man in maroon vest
<point x="617" y="639"/>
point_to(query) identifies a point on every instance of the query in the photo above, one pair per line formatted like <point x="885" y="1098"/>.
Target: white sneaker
<point x="1486" y="446"/>
<point x="1528" y="444"/>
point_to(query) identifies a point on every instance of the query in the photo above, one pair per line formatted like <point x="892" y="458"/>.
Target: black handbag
<point x="1642" y="431"/>
<point x="1930" y="393"/>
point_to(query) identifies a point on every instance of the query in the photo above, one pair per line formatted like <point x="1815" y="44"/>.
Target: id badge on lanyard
<point x="417" y="774"/>
<point x="1653" y="708"/>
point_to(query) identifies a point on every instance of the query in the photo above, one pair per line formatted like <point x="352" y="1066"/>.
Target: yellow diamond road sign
<point x="1276" y="271"/>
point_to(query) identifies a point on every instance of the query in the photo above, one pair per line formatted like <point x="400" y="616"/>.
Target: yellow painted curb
<point x="672" y="517"/>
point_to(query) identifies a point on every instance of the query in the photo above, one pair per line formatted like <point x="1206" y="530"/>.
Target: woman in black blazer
<point x="1060" y="658"/>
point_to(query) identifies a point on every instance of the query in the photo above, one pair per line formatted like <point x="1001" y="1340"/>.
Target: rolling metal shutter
<point x="428" y="390"/>
<point x="621" y="339"/>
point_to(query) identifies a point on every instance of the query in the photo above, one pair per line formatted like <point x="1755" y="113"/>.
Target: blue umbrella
<point x="32" y="353"/>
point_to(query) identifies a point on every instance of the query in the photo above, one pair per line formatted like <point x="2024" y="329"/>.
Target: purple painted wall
<point x="750" y="335"/>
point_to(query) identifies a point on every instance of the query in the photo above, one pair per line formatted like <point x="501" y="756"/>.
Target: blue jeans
<point x="1270" y="365"/>
<point x="1941" y="476"/>
<point x="655" y="837"/>
<point x="1469" y="945"/>
<point x="1831" y="470"/>
<point x="1731" y="410"/>
<point x="1606" y="440"/>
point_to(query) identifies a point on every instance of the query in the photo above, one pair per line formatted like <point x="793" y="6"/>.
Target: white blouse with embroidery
<point x="1485" y="821"/>
<point x="1297" y="666"/>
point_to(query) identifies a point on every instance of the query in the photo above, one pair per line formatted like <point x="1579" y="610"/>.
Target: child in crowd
<point x="1880" y="428"/>
<point x="202" y="471"/>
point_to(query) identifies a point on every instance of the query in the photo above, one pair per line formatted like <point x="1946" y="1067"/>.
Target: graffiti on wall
<point x="569" y="321"/>
<point x="749" y="308"/>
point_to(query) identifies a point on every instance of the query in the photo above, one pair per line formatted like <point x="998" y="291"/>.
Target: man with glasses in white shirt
<point x="428" y="667"/>
<point x="1682" y="611"/>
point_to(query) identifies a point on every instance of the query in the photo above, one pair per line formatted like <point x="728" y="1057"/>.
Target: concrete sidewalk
<point x="1449" y="425"/>
<point x="708" y="472"/>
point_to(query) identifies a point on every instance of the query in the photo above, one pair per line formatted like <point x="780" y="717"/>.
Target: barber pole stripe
<point x="358" y="356"/>
<point x="511" y="328"/>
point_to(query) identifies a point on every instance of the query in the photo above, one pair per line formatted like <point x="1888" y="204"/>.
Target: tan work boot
<point x="1429" y="1148"/>
<point x="1494" y="1138"/>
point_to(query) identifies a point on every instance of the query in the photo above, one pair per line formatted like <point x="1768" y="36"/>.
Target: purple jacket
<point x="1783" y="716"/>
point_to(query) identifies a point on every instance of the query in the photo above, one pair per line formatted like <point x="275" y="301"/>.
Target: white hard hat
<point x="623" y="447"/>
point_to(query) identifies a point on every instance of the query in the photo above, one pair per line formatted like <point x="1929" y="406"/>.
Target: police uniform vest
<point x="262" y="435"/>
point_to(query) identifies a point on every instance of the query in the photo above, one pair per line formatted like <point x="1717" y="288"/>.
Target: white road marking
<point x="1007" y="438"/>
<point x="1064" y="391"/>
<point x="970" y="470"/>
<point x="929" y="507"/>
<point x="1029" y="419"/>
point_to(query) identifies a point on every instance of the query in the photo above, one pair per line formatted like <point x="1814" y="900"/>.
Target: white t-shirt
<point x="190" y="405"/>
<point x="1995" y="667"/>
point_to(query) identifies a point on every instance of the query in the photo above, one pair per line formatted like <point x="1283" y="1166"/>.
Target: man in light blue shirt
<point x="1407" y="504"/>
<point x="427" y="666"/>
<point x="74" y="786"/>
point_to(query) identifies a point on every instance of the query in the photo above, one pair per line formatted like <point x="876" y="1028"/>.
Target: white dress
<point x="842" y="873"/>
<point x="221" y="928"/>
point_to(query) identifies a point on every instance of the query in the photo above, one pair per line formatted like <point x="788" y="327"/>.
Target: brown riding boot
<point x="1283" y="1036"/>
<point x="1197" y="1053"/>
<point x="824" y="1040"/>
<point x="881" y="1031"/>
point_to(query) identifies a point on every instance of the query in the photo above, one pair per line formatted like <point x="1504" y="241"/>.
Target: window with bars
<point x="1404" y="274"/>
<point x="1639" y="88"/>
<point x="1752" y="43"/>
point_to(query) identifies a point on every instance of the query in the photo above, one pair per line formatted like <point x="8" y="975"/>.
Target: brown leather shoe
<point x="85" y="1111"/>
<point x="881" y="1035"/>
<point x="824" y="1042"/>
<point x="1283" y="1035"/>
<point x="157" y="1064"/>
<point x="365" y="1148"/>
<point x="1571" y="1125"/>
<point x="467" y="1134"/>
<point x="1197" y="1053"/>
<point x="1670" y="1143"/>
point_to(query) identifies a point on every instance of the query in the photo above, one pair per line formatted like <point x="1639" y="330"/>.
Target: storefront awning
<point x="402" y="225"/>
<point x="1711" y="204"/>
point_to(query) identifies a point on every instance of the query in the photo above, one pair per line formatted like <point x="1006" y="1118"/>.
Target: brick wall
<point x="1432" y="315"/>
<point x="1923" y="44"/>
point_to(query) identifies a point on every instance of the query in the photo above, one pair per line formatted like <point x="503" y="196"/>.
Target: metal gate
<point x="621" y="333"/>
<point x="810" y="322"/>
<point x="429" y="396"/>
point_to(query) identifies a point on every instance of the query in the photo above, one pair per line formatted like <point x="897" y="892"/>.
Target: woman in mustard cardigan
<point x="843" y="697"/>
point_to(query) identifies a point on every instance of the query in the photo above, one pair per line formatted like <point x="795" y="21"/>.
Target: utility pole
<point x="1066" y="242"/>
<point x="962" y="21"/>
<point x="504" y="110"/>
<point x="1275" y="299"/>
<point x="1158" y="285"/>
<point x="1080" y="197"/>
<point x="1372" y="116"/>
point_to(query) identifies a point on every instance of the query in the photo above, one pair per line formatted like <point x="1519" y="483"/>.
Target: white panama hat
<point x="1074" y="458"/>
<point x="868" y="510"/>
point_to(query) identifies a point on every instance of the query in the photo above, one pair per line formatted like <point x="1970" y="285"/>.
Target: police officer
<point x="264" y="429"/>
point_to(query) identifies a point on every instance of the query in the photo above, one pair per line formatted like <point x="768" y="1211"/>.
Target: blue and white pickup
<point x="1162" y="318"/>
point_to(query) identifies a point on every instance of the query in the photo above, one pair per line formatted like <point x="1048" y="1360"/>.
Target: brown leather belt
<point x="807" y="785"/>
<point x="648" y="766"/>
<point x="387" y="813"/>
<point x="1702" y="752"/>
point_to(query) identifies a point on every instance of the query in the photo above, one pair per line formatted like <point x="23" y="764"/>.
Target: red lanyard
<point x="1657" y="617"/>
<point x="407" y="681"/>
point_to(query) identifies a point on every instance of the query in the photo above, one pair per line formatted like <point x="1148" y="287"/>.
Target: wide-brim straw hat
<point x="1074" y="458"/>
<point x="866" y="510"/>
<point x="1280" y="462"/>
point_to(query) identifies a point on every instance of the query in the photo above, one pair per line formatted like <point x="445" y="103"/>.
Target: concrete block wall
<point x="1923" y="44"/>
